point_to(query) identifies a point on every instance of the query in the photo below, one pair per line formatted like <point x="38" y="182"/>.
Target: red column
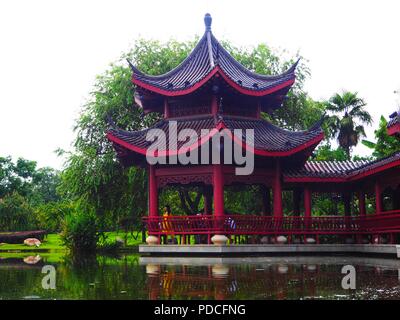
<point x="153" y="193"/>
<point x="307" y="207"/>
<point x="378" y="197"/>
<point x="307" y="202"/>
<point x="361" y="204"/>
<point x="278" y="212"/>
<point x="218" y="181"/>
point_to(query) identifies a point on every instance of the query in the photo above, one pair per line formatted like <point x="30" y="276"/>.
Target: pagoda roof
<point x="209" y="59"/>
<point x="340" y="171"/>
<point x="393" y="125"/>
<point x="269" y="140"/>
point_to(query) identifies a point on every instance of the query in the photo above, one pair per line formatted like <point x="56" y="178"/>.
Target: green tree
<point x="16" y="177"/>
<point x="24" y="187"/>
<point x="326" y="153"/>
<point x="44" y="185"/>
<point x="385" y="145"/>
<point x="23" y="177"/>
<point x="348" y="119"/>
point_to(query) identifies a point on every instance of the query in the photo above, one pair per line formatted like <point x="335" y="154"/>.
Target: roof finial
<point x="207" y="21"/>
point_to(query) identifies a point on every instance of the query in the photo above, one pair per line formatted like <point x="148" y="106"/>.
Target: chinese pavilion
<point x="211" y="90"/>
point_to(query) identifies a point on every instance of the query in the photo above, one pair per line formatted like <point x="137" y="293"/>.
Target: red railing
<point x="387" y="222"/>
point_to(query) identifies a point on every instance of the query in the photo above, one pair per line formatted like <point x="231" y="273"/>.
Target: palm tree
<point x="348" y="119"/>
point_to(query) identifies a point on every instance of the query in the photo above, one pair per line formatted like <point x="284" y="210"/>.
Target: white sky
<point x="51" y="51"/>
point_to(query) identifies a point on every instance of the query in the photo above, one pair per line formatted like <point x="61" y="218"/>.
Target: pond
<point x="134" y="277"/>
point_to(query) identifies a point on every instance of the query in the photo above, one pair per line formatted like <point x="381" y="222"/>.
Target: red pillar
<point x="307" y="208"/>
<point x="378" y="197"/>
<point x="153" y="193"/>
<point x="307" y="202"/>
<point x="361" y="204"/>
<point x="278" y="212"/>
<point x="218" y="181"/>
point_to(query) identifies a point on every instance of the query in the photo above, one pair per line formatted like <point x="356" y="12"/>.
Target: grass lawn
<point x="132" y="240"/>
<point x="53" y="242"/>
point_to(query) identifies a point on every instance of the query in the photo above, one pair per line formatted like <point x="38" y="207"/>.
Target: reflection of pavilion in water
<point x="278" y="281"/>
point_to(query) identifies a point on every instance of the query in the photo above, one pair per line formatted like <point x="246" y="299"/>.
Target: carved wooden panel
<point x="182" y="110"/>
<point x="162" y="181"/>
<point x="249" y="179"/>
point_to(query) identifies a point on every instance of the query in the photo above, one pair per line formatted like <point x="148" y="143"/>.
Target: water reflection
<point x="134" y="277"/>
<point x="270" y="278"/>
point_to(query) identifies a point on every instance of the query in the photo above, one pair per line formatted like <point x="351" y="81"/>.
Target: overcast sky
<point x="51" y="51"/>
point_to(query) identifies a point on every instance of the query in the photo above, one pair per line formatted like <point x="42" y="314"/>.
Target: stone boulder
<point x="32" y="242"/>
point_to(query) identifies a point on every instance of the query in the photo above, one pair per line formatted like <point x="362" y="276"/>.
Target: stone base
<point x="281" y="240"/>
<point x="219" y="240"/>
<point x="248" y="249"/>
<point x="152" y="240"/>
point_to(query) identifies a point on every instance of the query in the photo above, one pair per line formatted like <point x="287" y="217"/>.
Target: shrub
<point x="51" y="215"/>
<point x="80" y="232"/>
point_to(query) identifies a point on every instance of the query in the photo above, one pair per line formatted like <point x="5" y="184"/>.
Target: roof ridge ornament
<point x="207" y="21"/>
<point x="318" y="124"/>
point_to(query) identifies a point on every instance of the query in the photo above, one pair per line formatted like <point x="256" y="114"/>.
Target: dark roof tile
<point x="338" y="169"/>
<point x="394" y="119"/>
<point x="267" y="136"/>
